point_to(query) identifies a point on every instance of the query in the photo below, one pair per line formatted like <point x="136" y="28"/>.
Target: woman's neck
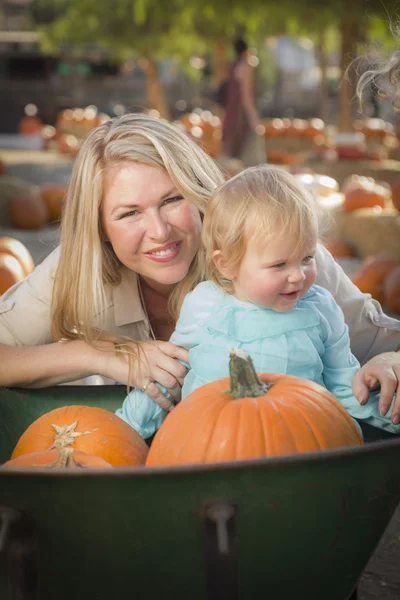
<point x="156" y="306"/>
<point x="161" y="289"/>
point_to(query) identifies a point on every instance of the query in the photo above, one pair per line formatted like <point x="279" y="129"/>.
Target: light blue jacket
<point x="310" y="341"/>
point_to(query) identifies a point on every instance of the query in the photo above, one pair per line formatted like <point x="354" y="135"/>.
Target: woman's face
<point x="153" y="230"/>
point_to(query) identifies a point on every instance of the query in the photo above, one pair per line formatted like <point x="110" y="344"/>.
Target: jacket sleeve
<point x="371" y="331"/>
<point x="138" y="409"/>
<point x="25" y="307"/>
<point x="340" y="366"/>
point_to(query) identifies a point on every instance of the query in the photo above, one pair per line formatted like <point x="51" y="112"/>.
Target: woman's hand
<point x="156" y="362"/>
<point x="383" y="370"/>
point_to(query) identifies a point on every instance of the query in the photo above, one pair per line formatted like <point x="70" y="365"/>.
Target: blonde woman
<point x="130" y="252"/>
<point x="260" y="235"/>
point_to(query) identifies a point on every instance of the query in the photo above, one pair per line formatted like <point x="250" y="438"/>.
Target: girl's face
<point x="276" y="274"/>
<point x="153" y="230"/>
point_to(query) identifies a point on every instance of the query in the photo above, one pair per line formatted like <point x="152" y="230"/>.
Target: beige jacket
<point x="25" y="309"/>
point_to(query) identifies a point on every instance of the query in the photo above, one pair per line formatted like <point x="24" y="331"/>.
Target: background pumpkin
<point x="370" y="276"/>
<point x="93" y="430"/>
<point x="64" y="458"/>
<point x="391" y="290"/>
<point x="289" y="415"/>
<point x="53" y="196"/>
<point x="11" y="272"/>
<point x="13" y="247"/>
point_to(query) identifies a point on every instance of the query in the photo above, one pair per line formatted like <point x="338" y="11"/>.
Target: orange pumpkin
<point x="13" y="247"/>
<point x="369" y="277"/>
<point x="30" y="125"/>
<point x="339" y="248"/>
<point x="93" y="430"/>
<point x="362" y="198"/>
<point x="391" y="290"/>
<point x="28" y="212"/>
<point x="11" y="272"/>
<point x="64" y="458"/>
<point x="244" y="417"/>
<point x="53" y="196"/>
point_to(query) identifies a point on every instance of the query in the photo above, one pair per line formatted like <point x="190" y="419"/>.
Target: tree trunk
<point x="155" y="92"/>
<point x="349" y="39"/>
<point x="323" y="111"/>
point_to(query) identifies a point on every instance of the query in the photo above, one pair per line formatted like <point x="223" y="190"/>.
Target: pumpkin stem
<point x="244" y="380"/>
<point x="66" y="434"/>
<point x="65" y="459"/>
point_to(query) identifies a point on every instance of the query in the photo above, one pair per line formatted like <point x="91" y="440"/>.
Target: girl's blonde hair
<point x="256" y="204"/>
<point x="87" y="262"/>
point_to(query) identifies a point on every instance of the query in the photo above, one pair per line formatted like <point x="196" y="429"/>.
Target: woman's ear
<point x="222" y="265"/>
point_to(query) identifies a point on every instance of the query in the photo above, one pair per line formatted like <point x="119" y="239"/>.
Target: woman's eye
<point x="131" y="213"/>
<point x="173" y="199"/>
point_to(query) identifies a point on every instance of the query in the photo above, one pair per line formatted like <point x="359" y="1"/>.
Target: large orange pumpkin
<point x="64" y="458"/>
<point x="244" y="417"/>
<point x="93" y="430"/>
<point x="13" y="247"/>
<point x="11" y="272"/>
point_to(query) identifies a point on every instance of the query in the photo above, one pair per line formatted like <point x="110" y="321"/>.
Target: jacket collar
<point x="127" y="304"/>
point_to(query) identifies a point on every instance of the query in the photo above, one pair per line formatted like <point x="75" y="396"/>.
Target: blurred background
<point x="68" y="65"/>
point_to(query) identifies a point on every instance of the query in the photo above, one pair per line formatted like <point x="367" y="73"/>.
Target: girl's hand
<point x="383" y="370"/>
<point x="156" y="362"/>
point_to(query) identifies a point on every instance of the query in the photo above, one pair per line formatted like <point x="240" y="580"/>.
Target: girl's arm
<point x="371" y="331"/>
<point x="340" y="366"/>
<point x="138" y="409"/>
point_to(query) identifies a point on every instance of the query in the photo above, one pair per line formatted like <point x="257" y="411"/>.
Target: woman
<point x="129" y="253"/>
<point x="241" y="121"/>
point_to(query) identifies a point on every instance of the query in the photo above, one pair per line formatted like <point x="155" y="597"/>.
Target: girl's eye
<point x="308" y="259"/>
<point x="172" y="199"/>
<point x="279" y="265"/>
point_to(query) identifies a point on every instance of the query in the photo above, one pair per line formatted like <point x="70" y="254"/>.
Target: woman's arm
<point x="371" y="331"/>
<point x="46" y="365"/>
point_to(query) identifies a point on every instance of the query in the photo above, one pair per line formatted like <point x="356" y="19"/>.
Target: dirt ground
<point x="381" y="578"/>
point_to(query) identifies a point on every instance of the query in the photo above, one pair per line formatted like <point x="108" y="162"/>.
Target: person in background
<point x="260" y="234"/>
<point x="242" y="136"/>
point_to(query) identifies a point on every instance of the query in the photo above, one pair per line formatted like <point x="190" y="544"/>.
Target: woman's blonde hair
<point x="256" y="204"/>
<point x="87" y="262"/>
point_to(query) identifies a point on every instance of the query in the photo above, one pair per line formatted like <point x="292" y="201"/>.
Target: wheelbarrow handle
<point x="18" y="542"/>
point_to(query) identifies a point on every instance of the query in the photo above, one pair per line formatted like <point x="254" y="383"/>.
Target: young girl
<point x="260" y="234"/>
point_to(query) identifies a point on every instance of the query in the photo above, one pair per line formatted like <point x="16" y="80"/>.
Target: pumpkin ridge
<point x="310" y="421"/>
<point x="287" y="409"/>
<point x="209" y="448"/>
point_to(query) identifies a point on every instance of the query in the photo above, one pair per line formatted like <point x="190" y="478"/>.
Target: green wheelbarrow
<point x="299" y="527"/>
